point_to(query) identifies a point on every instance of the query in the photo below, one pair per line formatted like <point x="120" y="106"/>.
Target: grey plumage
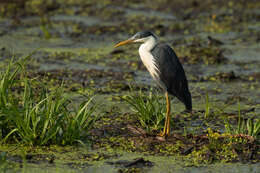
<point x="172" y="73"/>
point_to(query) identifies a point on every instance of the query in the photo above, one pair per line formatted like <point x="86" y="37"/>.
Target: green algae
<point x="81" y="159"/>
<point x="79" y="54"/>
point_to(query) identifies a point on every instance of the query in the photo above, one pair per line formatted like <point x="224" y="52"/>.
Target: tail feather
<point x="185" y="98"/>
<point x="188" y="102"/>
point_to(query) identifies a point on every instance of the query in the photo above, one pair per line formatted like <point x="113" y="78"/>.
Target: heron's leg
<point x="165" y="126"/>
<point x="168" y="113"/>
<point x="166" y="129"/>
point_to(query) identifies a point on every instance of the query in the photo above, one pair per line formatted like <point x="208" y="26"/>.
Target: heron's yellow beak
<point x="124" y="42"/>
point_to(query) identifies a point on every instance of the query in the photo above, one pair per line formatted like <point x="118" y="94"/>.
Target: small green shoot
<point x="3" y="162"/>
<point x="207" y="107"/>
<point x="45" y="27"/>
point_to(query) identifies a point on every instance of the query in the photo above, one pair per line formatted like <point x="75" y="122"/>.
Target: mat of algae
<point x="216" y="41"/>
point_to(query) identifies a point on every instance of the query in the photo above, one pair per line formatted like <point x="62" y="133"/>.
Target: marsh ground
<point x="218" y="42"/>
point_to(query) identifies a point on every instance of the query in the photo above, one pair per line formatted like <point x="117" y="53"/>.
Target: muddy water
<point x="217" y="42"/>
<point x="157" y="164"/>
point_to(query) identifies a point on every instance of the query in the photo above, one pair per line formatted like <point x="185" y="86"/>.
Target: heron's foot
<point x="164" y="133"/>
<point x="161" y="134"/>
<point x="188" y="112"/>
<point x="166" y="129"/>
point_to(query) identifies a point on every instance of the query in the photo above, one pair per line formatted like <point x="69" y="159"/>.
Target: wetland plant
<point x="253" y="127"/>
<point x="207" y="106"/>
<point x="3" y="162"/>
<point x="249" y="127"/>
<point x="149" y="109"/>
<point x="45" y="27"/>
<point x="33" y="115"/>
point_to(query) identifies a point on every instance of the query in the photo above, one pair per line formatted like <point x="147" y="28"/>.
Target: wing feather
<point x="172" y="73"/>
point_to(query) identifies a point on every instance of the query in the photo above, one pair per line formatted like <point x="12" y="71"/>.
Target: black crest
<point x="143" y="34"/>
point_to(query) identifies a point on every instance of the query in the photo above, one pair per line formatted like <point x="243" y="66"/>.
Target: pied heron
<point x="165" y="68"/>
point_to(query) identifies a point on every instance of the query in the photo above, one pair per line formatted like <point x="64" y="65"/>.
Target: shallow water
<point x="82" y="39"/>
<point x="160" y="164"/>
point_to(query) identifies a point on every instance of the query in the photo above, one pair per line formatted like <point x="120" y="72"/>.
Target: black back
<point x="172" y="73"/>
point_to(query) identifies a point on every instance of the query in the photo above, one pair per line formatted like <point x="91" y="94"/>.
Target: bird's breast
<point x="149" y="61"/>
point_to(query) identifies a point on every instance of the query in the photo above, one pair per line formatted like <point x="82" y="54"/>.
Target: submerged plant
<point x="31" y="114"/>
<point x="149" y="109"/>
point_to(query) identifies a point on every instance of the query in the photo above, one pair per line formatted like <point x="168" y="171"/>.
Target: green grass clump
<point x="149" y="108"/>
<point x="249" y="127"/>
<point x="33" y="115"/>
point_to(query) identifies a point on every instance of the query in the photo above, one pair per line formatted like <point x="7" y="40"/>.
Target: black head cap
<point x="143" y="34"/>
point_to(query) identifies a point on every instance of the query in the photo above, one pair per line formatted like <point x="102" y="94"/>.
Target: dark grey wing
<point x="172" y="73"/>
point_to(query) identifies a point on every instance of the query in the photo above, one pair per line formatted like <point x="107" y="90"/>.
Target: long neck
<point x="149" y="43"/>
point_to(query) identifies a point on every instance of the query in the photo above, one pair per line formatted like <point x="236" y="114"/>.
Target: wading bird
<point x="165" y="68"/>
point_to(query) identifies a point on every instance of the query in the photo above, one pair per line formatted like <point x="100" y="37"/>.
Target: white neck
<point x="147" y="57"/>
<point x="149" y="43"/>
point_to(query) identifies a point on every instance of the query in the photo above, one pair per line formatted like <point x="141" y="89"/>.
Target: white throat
<point x="149" y="43"/>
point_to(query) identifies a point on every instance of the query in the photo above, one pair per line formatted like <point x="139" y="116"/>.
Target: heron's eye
<point x="137" y="36"/>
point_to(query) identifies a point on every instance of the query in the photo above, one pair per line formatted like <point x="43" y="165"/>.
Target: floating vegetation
<point x="207" y="55"/>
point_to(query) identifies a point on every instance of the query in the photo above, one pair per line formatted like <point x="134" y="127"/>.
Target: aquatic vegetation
<point x="253" y="127"/>
<point x="207" y="106"/>
<point x="222" y="147"/>
<point x="208" y="55"/>
<point x="45" y="27"/>
<point x="250" y="127"/>
<point x="33" y="115"/>
<point x="212" y="110"/>
<point x="214" y="41"/>
<point x="3" y="162"/>
<point x="223" y="77"/>
<point x="149" y="109"/>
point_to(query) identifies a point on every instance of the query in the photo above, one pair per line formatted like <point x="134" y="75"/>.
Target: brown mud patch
<point x="207" y="146"/>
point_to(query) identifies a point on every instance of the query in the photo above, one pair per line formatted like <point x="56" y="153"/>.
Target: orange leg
<point x="166" y="129"/>
<point x="168" y="114"/>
